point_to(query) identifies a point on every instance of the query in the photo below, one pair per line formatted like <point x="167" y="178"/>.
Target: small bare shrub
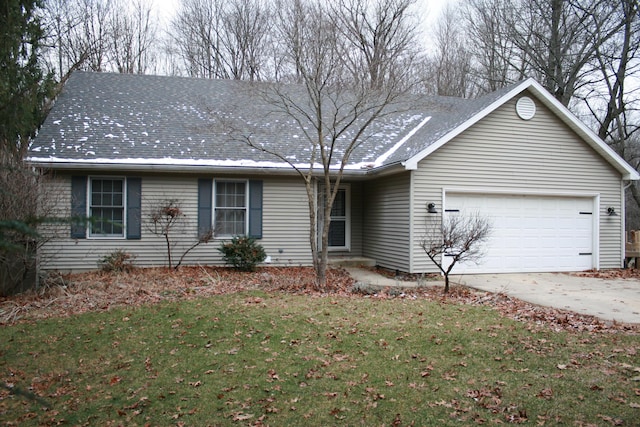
<point x="166" y="219"/>
<point x="460" y="238"/>
<point x="117" y="261"/>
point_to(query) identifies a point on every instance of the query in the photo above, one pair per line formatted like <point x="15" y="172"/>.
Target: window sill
<point x="339" y="249"/>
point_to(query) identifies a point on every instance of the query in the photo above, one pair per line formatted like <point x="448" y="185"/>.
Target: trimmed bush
<point x="243" y="253"/>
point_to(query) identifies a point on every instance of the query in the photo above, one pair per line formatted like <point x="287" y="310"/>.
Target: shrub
<point x="118" y="260"/>
<point x="243" y="253"/>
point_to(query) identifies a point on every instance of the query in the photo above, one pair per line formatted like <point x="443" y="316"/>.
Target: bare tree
<point x="485" y="23"/>
<point x="450" y="65"/>
<point x="292" y="17"/>
<point x="585" y="52"/>
<point x="571" y="35"/>
<point x="61" y="19"/>
<point x="247" y="30"/>
<point x="100" y="35"/>
<point x="332" y="111"/>
<point x="194" y="33"/>
<point x="554" y="41"/>
<point x="90" y="39"/>
<point x="612" y="96"/>
<point x="133" y="33"/>
<point x="456" y="239"/>
<point x="222" y="39"/>
<point x="380" y="35"/>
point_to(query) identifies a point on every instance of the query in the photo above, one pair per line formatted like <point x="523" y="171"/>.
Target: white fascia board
<point x="628" y="173"/>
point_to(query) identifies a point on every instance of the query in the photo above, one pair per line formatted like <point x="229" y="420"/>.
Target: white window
<point x="106" y="207"/>
<point x="231" y="202"/>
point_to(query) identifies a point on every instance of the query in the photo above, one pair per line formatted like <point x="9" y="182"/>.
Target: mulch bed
<point x="65" y="295"/>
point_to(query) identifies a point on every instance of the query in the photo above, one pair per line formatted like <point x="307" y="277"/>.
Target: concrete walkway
<point x="372" y="278"/>
<point x="608" y="299"/>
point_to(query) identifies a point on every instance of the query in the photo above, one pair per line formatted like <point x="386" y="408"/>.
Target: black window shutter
<point x="78" y="207"/>
<point x="134" y="208"/>
<point x="255" y="209"/>
<point x="205" y="205"/>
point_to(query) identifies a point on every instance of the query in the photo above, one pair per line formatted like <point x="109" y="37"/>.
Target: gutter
<point x="206" y="169"/>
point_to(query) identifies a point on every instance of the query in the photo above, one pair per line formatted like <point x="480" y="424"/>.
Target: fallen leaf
<point x="241" y="417"/>
<point x="546" y="393"/>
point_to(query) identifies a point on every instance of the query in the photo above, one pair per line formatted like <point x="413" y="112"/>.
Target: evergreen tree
<point x="24" y="92"/>
<point x="24" y="87"/>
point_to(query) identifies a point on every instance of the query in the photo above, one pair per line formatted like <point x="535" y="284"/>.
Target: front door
<point x="339" y="227"/>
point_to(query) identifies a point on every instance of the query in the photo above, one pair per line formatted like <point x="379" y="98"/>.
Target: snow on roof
<point x="141" y="119"/>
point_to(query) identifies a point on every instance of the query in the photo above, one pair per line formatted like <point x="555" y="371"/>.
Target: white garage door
<point x="530" y="233"/>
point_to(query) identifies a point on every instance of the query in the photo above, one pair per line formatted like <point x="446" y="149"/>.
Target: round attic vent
<point x="526" y="108"/>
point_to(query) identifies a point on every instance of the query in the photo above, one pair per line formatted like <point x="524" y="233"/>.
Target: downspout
<point x="411" y="224"/>
<point x="623" y="225"/>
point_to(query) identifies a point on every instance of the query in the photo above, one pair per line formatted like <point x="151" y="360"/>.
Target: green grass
<point x="291" y="360"/>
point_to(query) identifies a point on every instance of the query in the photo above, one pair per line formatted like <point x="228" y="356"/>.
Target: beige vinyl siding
<point x="285" y="227"/>
<point x="356" y="219"/>
<point x="504" y="153"/>
<point x="285" y="222"/>
<point x="386" y="221"/>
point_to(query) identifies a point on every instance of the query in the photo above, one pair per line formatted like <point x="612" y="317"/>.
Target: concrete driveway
<point x="609" y="299"/>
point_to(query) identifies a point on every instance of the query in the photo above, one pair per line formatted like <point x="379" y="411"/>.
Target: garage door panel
<point x="530" y="233"/>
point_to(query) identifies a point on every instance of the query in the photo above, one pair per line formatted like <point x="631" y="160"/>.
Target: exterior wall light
<point x="431" y="208"/>
<point x="611" y="211"/>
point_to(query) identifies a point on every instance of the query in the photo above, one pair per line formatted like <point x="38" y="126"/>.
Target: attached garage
<point x="531" y="233"/>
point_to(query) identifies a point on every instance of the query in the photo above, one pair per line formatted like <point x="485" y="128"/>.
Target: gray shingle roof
<point x="134" y="119"/>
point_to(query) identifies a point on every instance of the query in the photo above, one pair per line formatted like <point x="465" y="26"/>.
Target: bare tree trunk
<point x="312" y="200"/>
<point x="166" y="238"/>
<point x="635" y="193"/>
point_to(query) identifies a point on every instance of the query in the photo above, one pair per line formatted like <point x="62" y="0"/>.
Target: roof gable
<point x="491" y="102"/>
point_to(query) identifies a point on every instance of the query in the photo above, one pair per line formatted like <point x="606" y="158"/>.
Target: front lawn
<point x="256" y="357"/>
